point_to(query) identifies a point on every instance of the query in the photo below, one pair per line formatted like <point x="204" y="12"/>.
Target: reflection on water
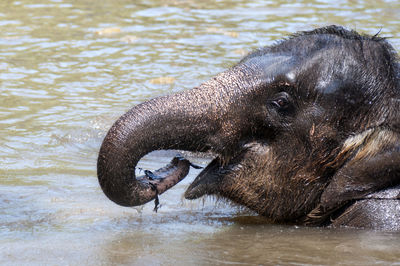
<point x="68" y="69"/>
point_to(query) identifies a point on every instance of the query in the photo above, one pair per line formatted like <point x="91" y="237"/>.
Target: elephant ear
<point x="374" y="164"/>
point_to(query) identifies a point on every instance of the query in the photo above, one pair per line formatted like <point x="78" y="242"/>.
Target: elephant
<point x="305" y="131"/>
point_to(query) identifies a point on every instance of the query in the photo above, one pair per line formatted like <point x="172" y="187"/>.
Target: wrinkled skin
<point x="307" y="131"/>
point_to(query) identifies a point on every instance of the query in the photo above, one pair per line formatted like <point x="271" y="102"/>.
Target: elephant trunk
<point x="194" y="120"/>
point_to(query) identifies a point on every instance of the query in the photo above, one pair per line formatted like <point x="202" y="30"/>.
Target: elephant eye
<point x="281" y="101"/>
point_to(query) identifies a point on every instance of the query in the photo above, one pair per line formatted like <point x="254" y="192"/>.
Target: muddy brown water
<point x="68" y="69"/>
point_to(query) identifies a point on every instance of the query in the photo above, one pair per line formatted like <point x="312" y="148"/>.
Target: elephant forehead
<point x="267" y="67"/>
<point x="314" y="72"/>
<point x="324" y="71"/>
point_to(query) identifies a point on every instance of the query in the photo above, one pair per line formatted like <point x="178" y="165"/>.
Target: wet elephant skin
<point x="305" y="131"/>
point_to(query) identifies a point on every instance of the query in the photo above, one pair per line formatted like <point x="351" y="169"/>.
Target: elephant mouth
<point x="220" y="175"/>
<point x="213" y="177"/>
<point x="208" y="181"/>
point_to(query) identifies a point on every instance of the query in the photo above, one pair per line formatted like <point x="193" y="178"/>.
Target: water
<point x="68" y="69"/>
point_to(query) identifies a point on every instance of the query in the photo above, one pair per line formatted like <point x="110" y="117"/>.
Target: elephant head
<point x="304" y="131"/>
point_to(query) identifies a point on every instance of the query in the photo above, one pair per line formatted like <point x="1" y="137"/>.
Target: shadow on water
<point x="68" y="69"/>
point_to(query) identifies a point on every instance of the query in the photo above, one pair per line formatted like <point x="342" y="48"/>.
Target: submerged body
<point x="307" y="131"/>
